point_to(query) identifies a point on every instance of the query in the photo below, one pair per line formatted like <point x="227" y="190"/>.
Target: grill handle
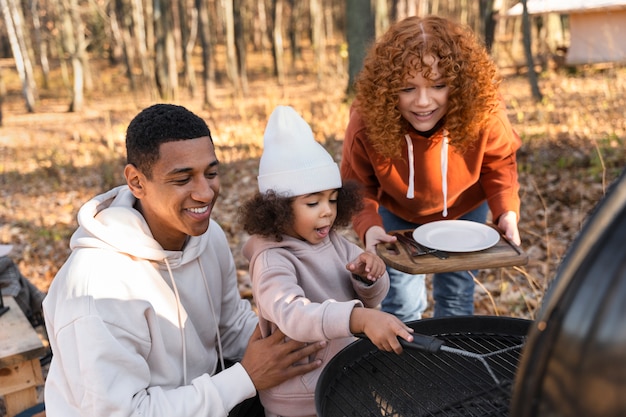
<point x="420" y="342"/>
<point x="423" y="342"/>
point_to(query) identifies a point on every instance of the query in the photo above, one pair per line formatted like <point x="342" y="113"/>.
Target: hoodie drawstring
<point x="410" y="193"/>
<point x="180" y="321"/>
<point x="217" y="326"/>
<point x="444" y="172"/>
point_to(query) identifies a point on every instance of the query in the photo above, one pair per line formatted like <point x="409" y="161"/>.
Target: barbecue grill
<point x="472" y="378"/>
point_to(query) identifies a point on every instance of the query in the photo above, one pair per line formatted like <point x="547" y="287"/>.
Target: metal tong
<point x="416" y="249"/>
<point x="432" y="344"/>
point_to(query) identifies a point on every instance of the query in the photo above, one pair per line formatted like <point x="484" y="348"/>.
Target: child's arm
<point x="383" y="329"/>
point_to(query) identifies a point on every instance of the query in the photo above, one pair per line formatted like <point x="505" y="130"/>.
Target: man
<point x="145" y="315"/>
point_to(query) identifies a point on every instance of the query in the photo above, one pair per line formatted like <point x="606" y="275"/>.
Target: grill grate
<point x="419" y="383"/>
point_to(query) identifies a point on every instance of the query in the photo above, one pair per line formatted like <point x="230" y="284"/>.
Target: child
<point x="307" y="280"/>
<point x="429" y="139"/>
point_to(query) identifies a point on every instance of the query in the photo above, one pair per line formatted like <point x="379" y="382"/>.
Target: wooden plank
<point x="20" y="377"/>
<point x="502" y="254"/>
<point x="19" y="401"/>
<point x="19" y="342"/>
<point x="18" y="385"/>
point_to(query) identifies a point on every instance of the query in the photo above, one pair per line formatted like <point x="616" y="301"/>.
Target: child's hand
<point x="367" y="265"/>
<point x="382" y="329"/>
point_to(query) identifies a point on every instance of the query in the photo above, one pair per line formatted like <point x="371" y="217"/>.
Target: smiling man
<point x="145" y="315"/>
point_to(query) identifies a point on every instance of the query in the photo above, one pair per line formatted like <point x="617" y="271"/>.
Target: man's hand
<point x="272" y="360"/>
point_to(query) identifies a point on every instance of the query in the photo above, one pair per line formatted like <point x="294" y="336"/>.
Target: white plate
<point x="456" y="235"/>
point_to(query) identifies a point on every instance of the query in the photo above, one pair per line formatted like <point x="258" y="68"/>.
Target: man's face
<point x="178" y="200"/>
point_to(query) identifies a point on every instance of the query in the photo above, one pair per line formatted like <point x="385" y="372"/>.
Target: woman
<point x="429" y="140"/>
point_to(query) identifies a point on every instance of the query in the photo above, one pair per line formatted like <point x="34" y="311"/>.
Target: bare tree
<point x="39" y="41"/>
<point x="121" y="23"/>
<point x="381" y="16"/>
<point x="189" y="31"/>
<point x="277" y="41"/>
<point x="240" y="16"/>
<point x="75" y="46"/>
<point x="14" y="21"/>
<point x="166" y="70"/>
<point x="360" y="29"/>
<point x="208" y="69"/>
<point x="318" y="38"/>
<point x="144" y="36"/>
<point x="532" y="75"/>
<point x="231" y="53"/>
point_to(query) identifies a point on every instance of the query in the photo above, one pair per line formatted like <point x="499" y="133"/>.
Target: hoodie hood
<point x="256" y="244"/>
<point x="110" y="221"/>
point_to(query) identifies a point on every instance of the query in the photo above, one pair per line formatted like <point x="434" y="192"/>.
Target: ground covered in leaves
<point x="52" y="161"/>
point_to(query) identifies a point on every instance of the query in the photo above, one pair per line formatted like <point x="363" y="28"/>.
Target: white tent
<point x="597" y="27"/>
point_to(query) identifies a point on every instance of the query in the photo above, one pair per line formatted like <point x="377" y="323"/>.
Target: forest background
<point x="73" y="73"/>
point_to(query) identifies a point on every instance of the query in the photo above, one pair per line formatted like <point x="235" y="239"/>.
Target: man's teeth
<point x="199" y="210"/>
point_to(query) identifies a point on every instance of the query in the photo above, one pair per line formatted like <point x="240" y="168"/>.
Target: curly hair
<point x="271" y="215"/>
<point x="464" y="64"/>
<point x="159" y="124"/>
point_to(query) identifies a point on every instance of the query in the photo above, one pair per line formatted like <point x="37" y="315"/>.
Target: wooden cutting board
<point x="502" y="254"/>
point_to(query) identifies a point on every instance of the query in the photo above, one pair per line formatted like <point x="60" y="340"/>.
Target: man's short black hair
<point x="157" y="124"/>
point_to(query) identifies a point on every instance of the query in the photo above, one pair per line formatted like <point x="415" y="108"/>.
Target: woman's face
<point x="314" y="215"/>
<point x="424" y="101"/>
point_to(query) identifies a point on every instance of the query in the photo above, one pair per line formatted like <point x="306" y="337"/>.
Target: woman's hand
<point x="382" y="329"/>
<point x="368" y="266"/>
<point x="376" y="235"/>
<point x="507" y="223"/>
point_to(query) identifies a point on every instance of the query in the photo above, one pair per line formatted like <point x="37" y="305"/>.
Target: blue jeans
<point x="453" y="292"/>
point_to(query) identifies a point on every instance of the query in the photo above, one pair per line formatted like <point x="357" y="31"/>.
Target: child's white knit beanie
<point x="293" y="162"/>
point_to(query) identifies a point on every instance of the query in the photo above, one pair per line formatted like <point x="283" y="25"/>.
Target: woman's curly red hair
<point x="464" y="64"/>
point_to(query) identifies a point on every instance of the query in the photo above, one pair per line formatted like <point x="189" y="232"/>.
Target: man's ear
<point x="135" y="180"/>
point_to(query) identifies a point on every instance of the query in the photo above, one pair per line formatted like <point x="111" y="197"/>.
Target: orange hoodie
<point x="439" y="179"/>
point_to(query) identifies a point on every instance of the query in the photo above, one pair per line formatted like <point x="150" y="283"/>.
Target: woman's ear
<point x="134" y="179"/>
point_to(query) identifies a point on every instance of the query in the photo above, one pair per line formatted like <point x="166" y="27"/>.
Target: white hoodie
<point x="134" y="328"/>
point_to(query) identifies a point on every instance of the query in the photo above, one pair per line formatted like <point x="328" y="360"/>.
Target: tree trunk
<point x="167" y="74"/>
<point x="208" y="73"/>
<point x="141" y="31"/>
<point x="121" y="29"/>
<point x="318" y="38"/>
<point x="189" y="31"/>
<point x="296" y="28"/>
<point x="3" y="93"/>
<point x="359" y="33"/>
<point x="381" y="12"/>
<point x="532" y="75"/>
<point x="43" y="50"/>
<point x="239" y="19"/>
<point x="75" y="47"/>
<point x="277" y="41"/>
<point x="488" y="20"/>
<point x="231" y="53"/>
<point x="14" y="22"/>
